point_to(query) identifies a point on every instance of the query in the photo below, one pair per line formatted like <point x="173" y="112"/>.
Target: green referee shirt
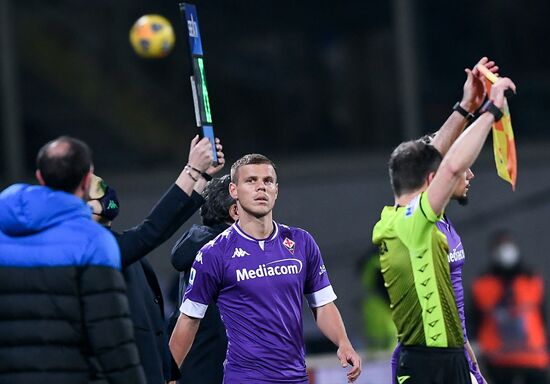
<point x="413" y="258"/>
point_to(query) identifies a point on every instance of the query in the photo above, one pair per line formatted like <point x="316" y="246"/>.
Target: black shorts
<point x="428" y="365"/>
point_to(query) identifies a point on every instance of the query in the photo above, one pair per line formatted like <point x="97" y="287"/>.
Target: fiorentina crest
<point x="289" y="244"/>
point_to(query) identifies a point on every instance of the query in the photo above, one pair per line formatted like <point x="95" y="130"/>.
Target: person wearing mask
<point x="64" y="314"/>
<point x="175" y="207"/>
<point x="508" y="316"/>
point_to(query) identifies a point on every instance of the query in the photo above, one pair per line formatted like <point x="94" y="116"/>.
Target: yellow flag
<point x="504" y="146"/>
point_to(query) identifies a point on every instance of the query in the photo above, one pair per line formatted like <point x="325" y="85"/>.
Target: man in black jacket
<point x="64" y="315"/>
<point x="144" y="295"/>
<point x="204" y="363"/>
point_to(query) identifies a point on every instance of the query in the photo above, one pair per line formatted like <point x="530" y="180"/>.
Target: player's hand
<point x="221" y="159"/>
<point x="348" y="356"/>
<point x="200" y="153"/>
<point x="498" y="89"/>
<point x="489" y="64"/>
<point x="474" y="90"/>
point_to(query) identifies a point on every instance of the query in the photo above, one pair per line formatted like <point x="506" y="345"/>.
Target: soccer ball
<point x="152" y="36"/>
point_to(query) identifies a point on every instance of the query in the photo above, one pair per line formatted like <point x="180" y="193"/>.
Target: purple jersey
<point x="258" y="286"/>
<point x="456" y="258"/>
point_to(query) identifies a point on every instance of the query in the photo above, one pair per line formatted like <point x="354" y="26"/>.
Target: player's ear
<point x="39" y="177"/>
<point x="233" y="190"/>
<point x="430" y="177"/>
<point x="86" y="182"/>
<point x="234" y="212"/>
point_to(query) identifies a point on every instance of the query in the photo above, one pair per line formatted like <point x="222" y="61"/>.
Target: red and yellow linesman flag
<point x="504" y="146"/>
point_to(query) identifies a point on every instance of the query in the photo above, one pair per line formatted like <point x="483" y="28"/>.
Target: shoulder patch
<point x="412" y="206"/>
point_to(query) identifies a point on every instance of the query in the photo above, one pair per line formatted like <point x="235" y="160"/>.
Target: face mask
<point x="507" y="255"/>
<point x="109" y="204"/>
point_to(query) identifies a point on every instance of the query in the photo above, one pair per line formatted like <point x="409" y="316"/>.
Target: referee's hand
<point x="348" y="356"/>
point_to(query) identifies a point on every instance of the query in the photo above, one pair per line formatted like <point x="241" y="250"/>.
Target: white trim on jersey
<point x="193" y="309"/>
<point x="241" y="232"/>
<point x="321" y="297"/>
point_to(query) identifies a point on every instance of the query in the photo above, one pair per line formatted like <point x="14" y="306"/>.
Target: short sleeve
<point x="204" y="281"/>
<point x="318" y="290"/>
<point x="416" y="223"/>
<point x="427" y="209"/>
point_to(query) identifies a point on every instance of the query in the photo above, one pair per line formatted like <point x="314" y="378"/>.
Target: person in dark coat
<point x="204" y="363"/>
<point x="175" y="207"/>
<point x="64" y="314"/>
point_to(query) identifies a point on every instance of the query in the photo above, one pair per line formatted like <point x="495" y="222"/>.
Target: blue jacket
<point x="65" y="316"/>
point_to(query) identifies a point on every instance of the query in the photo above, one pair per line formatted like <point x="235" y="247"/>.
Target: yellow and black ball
<point x="152" y="36"/>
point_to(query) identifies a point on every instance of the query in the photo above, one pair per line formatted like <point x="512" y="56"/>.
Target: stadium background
<point x="324" y="89"/>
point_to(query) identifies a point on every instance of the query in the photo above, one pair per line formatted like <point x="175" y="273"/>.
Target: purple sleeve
<point x="473" y="369"/>
<point x="204" y="280"/>
<point x="317" y="277"/>
<point x="395" y="362"/>
<point x="317" y="288"/>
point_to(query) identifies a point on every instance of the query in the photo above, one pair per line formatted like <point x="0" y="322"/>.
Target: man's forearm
<point x="330" y="323"/>
<point x="182" y="337"/>
<point x="449" y="132"/>
<point x="186" y="182"/>
<point x="463" y="154"/>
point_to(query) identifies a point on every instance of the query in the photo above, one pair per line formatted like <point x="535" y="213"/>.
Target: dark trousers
<point x="428" y="365"/>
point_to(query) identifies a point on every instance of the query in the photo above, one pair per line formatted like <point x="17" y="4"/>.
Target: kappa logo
<point x="289" y="244"/>
<point x="198" y="258"/>
<point x="322" y="269"/>
<point x="239" y="252"/>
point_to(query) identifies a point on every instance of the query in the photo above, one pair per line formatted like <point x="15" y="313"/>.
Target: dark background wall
<point x="317" y="86"/>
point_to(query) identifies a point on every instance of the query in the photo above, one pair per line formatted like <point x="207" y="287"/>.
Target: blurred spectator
<point x="509" y="316"/>
<point x="64" y="316"/>
<point x="143" y="289"/>
<point x="379" y="331"/>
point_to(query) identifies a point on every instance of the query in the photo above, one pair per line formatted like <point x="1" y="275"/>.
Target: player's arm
<point x="331" y="325"/>
<point x="183" y="336"/>
<point x="477" y="373"/>
<point x="204" y="281"/>
<point x="175" y="207"/>
<point x="464" y="151"/>
<point x="472" y="97"/>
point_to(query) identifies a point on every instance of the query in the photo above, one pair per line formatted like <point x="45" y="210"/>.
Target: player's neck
<point x="257" y="227"/>
<point x="406" y="198"/>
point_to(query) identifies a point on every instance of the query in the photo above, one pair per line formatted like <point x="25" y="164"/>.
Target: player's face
<point x="256" y="189"/>
<point x="461" y="191"/>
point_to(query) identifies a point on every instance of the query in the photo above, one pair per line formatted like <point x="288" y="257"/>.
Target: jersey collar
<point x="242" y="233"/>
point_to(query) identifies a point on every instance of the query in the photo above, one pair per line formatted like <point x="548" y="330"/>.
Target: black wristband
<point x="204" y="175"/>
<point x="186" y="169"/>
<point x="493" y="109"/>
<point x="467" y="115"/>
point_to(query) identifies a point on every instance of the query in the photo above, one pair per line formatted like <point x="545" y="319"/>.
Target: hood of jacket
<point x="27" y="209"/>
<point x="192" y="241"/>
